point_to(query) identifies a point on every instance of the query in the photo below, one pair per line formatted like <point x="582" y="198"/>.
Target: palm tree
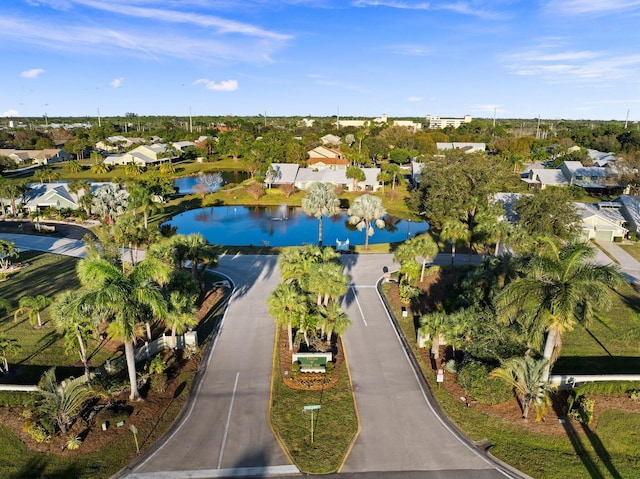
<point x="393" y="170"/>
<point x="356" y="175"/>
<point x="8" y="346"/>
<point x="454" y="231"/>
<point x="199" y="252"/>
<point x="7" y="250"/>
<point x="73" y="166"/>
<point x="141" y="198"/>
<point x="133" y="170"/>
<point x="426" y="248"/>
<point x="61" y="402"/>
<point x="321" y="200"/>
<point x="528" y="378"/>
<point x="561" y="288"/>
<point x="287" y="305"/>
<point x="100" y="168"/>
<point x="12" y="190"/>
<point x="130" y="298"/>
<point x="365" y="211"/>
<point x="434" y="325"/>
<point x="180" y="315"/>
<point x="327" y="281"/>
<point x="75" y="319"/>
<point x="32" y="306"/>
<point x="76" y="186"/>
<point x="334" y="320"/>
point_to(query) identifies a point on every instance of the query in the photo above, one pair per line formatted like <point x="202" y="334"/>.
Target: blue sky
<point x="569" y="59"/>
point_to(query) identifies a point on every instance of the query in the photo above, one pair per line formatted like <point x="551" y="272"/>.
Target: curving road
<point x="224" y="428"/>
<point x="225" y="432"/>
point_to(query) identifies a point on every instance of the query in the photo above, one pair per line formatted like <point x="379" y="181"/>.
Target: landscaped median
<point x="335" y="422"/>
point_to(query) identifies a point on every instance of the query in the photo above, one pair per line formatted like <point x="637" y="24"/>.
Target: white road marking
<point x="358" y="304"/>
<point x="275" y="471"/>
<point x="226" y="427"/>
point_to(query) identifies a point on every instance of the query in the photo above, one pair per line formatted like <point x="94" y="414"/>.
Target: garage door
<point x="604" y="235"/>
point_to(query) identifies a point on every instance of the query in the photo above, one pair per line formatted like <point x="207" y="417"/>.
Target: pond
<point x="283" y="226"/>
<point x="185" y="185"/>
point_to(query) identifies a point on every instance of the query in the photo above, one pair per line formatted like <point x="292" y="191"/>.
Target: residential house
<point x="594" y="179"/>
<point x="602" y="221"/>
<point x="435" y="122"/>
<point x="289" y="173"/>
<point x="143" y="155"/>
<point x="467" y="147"/>
<point x="323" y="157"/>
<point x="117" y="143"/>
<point x="331" y="140"/>
<point x="55" y="195"/>
<point x="36" y="157"/>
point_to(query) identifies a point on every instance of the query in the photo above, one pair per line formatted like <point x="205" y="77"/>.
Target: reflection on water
<point x="185" y="185"/>
<point x="283" y="226"/>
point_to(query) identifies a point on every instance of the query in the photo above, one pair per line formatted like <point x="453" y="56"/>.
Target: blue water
<point x="185" y="185"/>
<point x="283" y="226"/>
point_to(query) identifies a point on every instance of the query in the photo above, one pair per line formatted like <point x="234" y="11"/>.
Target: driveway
<point x="628" y="264"/>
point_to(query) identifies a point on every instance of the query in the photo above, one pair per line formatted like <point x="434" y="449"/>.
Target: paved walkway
<point x="628" y="264"/>
<point x="48" y="244"/>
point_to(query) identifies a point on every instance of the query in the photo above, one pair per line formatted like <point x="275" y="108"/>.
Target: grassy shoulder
<point x="335" y="423"/>
<point x="607" y="452"/>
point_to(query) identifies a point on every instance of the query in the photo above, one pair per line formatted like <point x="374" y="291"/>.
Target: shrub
<point x="295" y="370"/>
<point x="451" y="366"/>
<point x="16" y="398"/>
<point x="582" y="410"/>
<point x="329" y="368"/>
<point x="74" y="443"/>
<point x="617" y="239"/>
<point x="608" y="387"/>
<point x="37" y="432"/>
<point x="473" y="377"/>
<point x="159" y="382"/>
<point x="407" y="292"/>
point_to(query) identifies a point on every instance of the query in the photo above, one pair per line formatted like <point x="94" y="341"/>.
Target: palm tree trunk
<point x="549" y="348"/>
<point x="453" y="252"/>
<point x="525" y="408"/>
<point x="320" y="232"/>
<point x="290" y="335"/>
<point x="6" y="365"/>
<point x="435" y="346"/>
<point x="83" y="356"/>
<point x="146" y="220"/>
<point x="366" y="234"/>
<point x="174" y="343"/>
<point x="148" y="326"/>
<point x="39" y="319"/>
<point x="130" y="355"/>
<point x="424" y="263"/>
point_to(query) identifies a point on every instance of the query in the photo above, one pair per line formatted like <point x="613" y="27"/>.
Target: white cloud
<point x="10" y="113"/>
<point x="152" y="42"/>
<point x="411" y="50"/>
<point x="224" y="85"/>
<point x="574" y="66"/>
<point x="223" y="25"/>
<point x="460" y="7"/>
<point x="590" y="7"/>
<point x="117" y="82"/>
<point x="33" y="73"/>
<point x="414" y="98"/>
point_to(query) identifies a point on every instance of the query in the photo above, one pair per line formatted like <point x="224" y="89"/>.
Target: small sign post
<point x="440" y="376"/>
<point x="134" y="430"/>
<point x="311" y="408"/>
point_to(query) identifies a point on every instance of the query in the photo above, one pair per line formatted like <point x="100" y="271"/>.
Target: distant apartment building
<point x="384" y="119"/>
<point x="436" y="122"/>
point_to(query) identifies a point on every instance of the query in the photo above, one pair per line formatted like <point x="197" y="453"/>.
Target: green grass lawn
<point x="49" y="275"/>
<point x="335" y="424"/>
<point x="610" y="451"/>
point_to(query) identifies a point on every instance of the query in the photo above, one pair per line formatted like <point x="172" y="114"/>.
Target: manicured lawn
<point x="49" y="275"/>
<point x="335" y="424"/>
<point x="601" y="453"/>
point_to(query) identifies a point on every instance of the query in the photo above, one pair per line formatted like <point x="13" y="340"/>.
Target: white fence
<point x="568" y="381"/>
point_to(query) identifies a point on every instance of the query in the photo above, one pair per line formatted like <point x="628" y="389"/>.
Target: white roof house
<point x="467" y="147"/>
<point x="288" y="173"/>
<point x="602" y="221"/>
<point x="542" y="178"/>
<point x="143" y="155"/>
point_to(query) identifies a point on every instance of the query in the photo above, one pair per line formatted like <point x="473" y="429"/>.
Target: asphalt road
<point x="225" y="432"/>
